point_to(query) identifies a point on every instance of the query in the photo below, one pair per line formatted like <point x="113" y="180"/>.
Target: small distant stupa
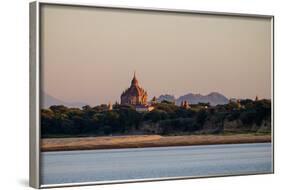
<point x="184" y="104"/>
<point x="154" y="101"/>
<point x="110" y="107"/>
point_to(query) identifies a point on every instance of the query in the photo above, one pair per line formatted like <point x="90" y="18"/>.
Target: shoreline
<point x="143" y="141"/>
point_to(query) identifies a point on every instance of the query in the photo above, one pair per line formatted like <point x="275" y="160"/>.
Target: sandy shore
<point x="91" y="143"/>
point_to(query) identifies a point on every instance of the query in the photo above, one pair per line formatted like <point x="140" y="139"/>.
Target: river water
<point x="144" y="163"/>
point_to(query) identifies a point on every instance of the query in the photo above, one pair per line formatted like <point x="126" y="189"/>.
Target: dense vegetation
<point x="165" y="119"/>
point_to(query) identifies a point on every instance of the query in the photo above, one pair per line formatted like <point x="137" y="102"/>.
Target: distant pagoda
<point x="134" y="95"/>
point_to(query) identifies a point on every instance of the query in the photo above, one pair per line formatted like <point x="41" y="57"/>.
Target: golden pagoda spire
<point x="134" y="81"/>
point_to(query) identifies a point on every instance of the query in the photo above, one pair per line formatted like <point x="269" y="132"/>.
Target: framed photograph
<point x="134" y="94"/>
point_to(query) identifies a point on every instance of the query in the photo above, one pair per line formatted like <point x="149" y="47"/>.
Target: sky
<point x="90" y="54"/>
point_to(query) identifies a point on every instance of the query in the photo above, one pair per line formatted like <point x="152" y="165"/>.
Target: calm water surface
<point x="140" y="163"/>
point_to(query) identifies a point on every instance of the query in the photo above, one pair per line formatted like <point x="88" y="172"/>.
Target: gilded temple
<point x="134" y="95"/>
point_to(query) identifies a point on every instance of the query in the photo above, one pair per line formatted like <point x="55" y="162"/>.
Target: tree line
<point x="166" y="118"/>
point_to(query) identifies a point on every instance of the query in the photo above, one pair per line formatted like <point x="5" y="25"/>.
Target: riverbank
<point x="140" y="141"/>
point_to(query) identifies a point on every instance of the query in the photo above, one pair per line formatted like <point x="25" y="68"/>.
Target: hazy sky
<point x="89" y="54"/>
